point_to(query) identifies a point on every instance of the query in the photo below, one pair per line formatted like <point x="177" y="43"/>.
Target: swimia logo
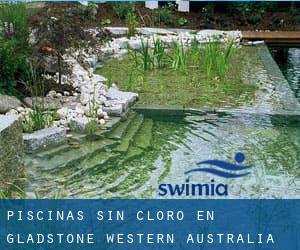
<point x="215" y="167"/>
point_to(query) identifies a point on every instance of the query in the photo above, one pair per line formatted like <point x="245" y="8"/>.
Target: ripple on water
<point x="177" y="145"/>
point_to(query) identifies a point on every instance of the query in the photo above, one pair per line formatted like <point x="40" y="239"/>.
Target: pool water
<point x="144" y="151"/>
<point x="288" y="60"/>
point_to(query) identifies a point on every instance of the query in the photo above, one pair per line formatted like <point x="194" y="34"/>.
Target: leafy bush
<point x="122" y="9"/>
<point x="182" y="21"/>
<point x="132" y="23"/>
<point x="164" y="15"/>
<point x="254" y="19"/>
<point x="297" y="19"/>
<point x="14" y="45"/>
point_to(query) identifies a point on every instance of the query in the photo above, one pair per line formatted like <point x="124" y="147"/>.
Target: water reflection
<point x="288" y="60"/>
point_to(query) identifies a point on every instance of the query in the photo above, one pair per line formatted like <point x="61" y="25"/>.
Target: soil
<point x="221" y="18"/>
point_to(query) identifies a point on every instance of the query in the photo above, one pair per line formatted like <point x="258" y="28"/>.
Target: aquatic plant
<point x="146" y="55"/>
<point x="159" y="53"/>
<point x="180" y="57"/>
<point x="216" y="58"/>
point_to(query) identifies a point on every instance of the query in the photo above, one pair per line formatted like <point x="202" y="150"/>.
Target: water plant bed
<point x="158" y="149"/>
<point x="191" y="88"/>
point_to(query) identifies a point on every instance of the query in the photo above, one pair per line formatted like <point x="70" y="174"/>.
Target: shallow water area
<point x="145" y="151"/>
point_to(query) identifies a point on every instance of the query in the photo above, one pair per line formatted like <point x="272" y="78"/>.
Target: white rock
<point x="12" y="112"/>
<point x="20" y="109"/>
<point x="51" y="93"/>
<point x="102" y="121"/>
<point x="62" y="113"/>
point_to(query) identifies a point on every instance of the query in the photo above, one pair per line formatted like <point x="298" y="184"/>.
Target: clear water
<point x="288" y="60"/>
<point x="142" y="152"/>
<point x="161" y="149"/>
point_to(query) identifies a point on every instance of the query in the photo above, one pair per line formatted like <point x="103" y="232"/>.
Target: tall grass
<point x="179" y="58"/>
<point x="216" y="58"/>
<point x="39" y="117"/>
<point x="159" y="53"/>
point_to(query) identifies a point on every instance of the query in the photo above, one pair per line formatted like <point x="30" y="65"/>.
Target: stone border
<point x="285" y="93"/>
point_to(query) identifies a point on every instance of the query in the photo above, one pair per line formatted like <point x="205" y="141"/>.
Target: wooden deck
<point x="274" y="37"/>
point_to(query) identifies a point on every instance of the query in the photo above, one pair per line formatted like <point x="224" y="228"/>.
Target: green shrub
<point x="132" y="23"/>
<point x="164" y="15"/>
<point x="14" y="45"/>
<point x="122" y="9"/>
<point x="254" y="19"/>
<point x="182" y="21"/>
<point x="297" y="19"/>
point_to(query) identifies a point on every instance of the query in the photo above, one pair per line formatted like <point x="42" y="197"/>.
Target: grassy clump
<point x="195" y="76"/>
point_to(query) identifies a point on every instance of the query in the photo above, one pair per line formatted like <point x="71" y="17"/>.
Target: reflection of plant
<point x="132" y="23"/>
<point x="182" y="21"/>
<point x="122" y="9"/>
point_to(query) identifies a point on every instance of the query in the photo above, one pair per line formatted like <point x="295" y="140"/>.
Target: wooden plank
<point x="273" y="36"/>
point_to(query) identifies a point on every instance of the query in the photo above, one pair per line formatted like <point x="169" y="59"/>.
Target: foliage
<point x="92" y="126"/>
<point x="14" y="45"/>
<point x="193" y="87"/>
<point x="254" y="18"/>
<point x="216" y="58"/>
<point x="182" y="21"/>
<point x="159" y="53"/>
<point x="122" y="9"/>
<point x="164" y="14"/>
<point x="105" y="22"/>
<point x="38" y="118"/>
<point x="297" y="19"/>
<point x="131" y="20"/>
<point x="180" y="57"/>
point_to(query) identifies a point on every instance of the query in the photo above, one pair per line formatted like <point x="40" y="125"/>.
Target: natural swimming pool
<point x="138" y="154"/>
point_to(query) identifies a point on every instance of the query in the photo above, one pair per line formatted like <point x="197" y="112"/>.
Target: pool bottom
<point x="143" y="152"/>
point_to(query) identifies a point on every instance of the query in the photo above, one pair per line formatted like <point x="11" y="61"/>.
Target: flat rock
<point x="8" y="102"/>
<point x="115" y="94"/>
<point x="117" y="30"/>
<point x="78" y="124"/>
<point x="151" y="31"/>
<point x="115" y="110"/>
<point x="44" y="137"/>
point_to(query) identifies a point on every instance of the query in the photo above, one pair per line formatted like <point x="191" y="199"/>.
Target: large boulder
<point x="11" y="152"/>
<point x="8" y="102"/>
